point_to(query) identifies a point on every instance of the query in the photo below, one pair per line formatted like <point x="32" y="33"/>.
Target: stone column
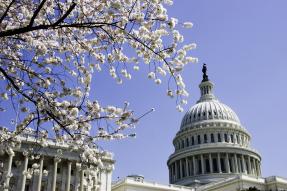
<point x="227" y="163"/>
<point x="236" y="163"/>
<point x="210" y="163"/>
<point x="23" y="182"/>
<point x="228" y="138"/>
<point x="254" y="167"/>
<point x="39" y="182"/>
<point x="243" y="164"/>
<point x="82" y="179"/>
<point x="186" y="167"/>
<point x="235" y="138"/>
<point x="219" y="163"/>
<point x="240" y="139"/>
<point x="249" y="166"/>
<point x="8" y="175"/>
<point x="193" y="165"/>
<point x="54" y="180"/>
<point x="180" y="169"/>
<point x="68" y="183"/>
<point x="174" y="171"/>
<point x="259" y="168"/>
<point x="202" y="164"/>
<point x="171" y="173"/>
<point x="78" y="167"/>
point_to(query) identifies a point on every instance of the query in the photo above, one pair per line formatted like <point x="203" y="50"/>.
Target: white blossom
<point x="187" y="24"/>
<point x="47" y="75"/>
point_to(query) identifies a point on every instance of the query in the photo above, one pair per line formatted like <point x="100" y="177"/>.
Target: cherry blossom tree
<point x="50" y="50"/>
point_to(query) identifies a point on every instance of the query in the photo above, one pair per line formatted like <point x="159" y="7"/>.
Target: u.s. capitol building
<point x="212" y="152"/>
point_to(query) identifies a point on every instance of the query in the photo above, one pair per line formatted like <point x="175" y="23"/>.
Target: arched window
<point x="192" y="140"/>
<point x="212" y="137"/>
<point x="218" y="137"/>
<point x="198" y="139"/>
<point x="205" y="138"/>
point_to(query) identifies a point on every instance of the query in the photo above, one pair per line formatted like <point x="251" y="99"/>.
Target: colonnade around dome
<point x="213" y="163"/>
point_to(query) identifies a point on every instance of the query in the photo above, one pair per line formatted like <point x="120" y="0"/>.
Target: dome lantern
<point x="206" y="87"/>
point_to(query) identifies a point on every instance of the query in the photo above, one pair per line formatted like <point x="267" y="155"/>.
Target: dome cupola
<point x="208" y="107"/>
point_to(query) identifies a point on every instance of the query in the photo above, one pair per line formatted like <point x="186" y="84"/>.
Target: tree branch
<point x="6" y="11"/>
<point x="66" y="14"/>
<point x="36" y="13"/>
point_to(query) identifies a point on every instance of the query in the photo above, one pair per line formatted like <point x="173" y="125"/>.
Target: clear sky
<point x="244" y="44"/>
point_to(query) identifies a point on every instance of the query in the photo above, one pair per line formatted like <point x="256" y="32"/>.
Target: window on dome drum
<point x="209" y="113"/>
<point x="231" y="137"/>
<point x="205" y="138"/>
<point x="218" y="137"/>
<point x="212" y="137"/>
<point x="198" y="139"/>
<point x="203" y="113"/>
<point x="237" y="138"/>
<point x="225" y="138"/>
<point x="192" y="140"/>
<point x="182" y="143"/>
<point x="187" y="142"/>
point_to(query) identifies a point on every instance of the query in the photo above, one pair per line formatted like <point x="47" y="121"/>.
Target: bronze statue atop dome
<point x="204" y="71"/>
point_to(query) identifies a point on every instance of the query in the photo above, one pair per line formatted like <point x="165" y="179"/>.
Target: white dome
<point x="208" y="110"/>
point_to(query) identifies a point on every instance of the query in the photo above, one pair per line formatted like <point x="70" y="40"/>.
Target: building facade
<point x="30" y="167"/>
<point x="212" y="153"/>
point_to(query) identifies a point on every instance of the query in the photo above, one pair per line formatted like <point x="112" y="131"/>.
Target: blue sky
<point x="244" y="44"/>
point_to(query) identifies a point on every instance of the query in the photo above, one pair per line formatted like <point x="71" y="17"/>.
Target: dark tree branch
<point x="36" y="13"/>
<point x="50" y="114"/>
<point x="6" y="11"/>
<point x="22" y="30"/>
<point x="66" y="14"/>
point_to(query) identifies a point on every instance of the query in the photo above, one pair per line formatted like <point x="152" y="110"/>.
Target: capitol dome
<point x="207" y="110"/>
<point x="211" y="144"/>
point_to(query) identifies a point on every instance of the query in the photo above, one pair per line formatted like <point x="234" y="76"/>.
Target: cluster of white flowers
<point x="48" y="58"/>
